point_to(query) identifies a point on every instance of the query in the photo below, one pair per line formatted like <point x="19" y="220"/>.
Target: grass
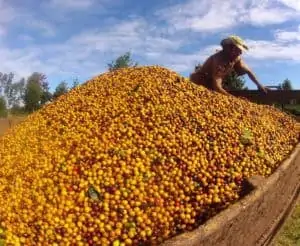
<point x="290" y="233"/>
<point x="295" y="106"/>
<point x="292" y="109"/>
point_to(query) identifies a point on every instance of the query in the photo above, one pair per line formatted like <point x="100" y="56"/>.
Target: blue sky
<point x="66" y="39"/>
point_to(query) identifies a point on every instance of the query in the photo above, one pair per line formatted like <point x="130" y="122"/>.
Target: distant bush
<point x="293" y="111"/>
<point x="17" y="110"/>
<point x="3" y="108"/>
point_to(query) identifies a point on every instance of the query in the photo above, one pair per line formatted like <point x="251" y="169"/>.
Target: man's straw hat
<point x="235" y="40"/>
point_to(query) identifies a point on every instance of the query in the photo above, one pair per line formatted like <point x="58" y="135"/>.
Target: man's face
<point x="234" y="51"/>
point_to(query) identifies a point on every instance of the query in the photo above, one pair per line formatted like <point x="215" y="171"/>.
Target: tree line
<point x="28" y="95"/>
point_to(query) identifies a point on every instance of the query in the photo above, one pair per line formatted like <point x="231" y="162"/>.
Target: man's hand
<point x="241" y="68"/>
<point x="263" y="88"/>
<point x="217" y="86"/>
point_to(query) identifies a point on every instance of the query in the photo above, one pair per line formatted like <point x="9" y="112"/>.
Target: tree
<point x="21" y="90"/>
<point x="11" y="91"/>
<point x="16" y="93"/>
<point x="121" y="62"/>
<point x="41" y="80"/>
<point x="62" y="88"/>
<point x="286" y="85"/>
<point x="46" y="97"/>
<point x="17" y="110"/>
<point x="33" y="92"/>
<point x="37" y="86"/>
<point x="6" y="81"/>
<point x="234" y="82"/>
<point x="75" y="83"/>
<point x="46" y="94"/>
<point x="3" y="108"/>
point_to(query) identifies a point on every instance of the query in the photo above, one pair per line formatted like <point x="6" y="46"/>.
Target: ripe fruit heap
<point x="133" y="157"/>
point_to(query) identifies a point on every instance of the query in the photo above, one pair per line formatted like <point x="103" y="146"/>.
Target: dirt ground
<point x="6" y="123"/>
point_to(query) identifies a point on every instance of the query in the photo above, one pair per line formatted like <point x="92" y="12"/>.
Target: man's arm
<point x="216" y="76"/>
<point x="217" y="86"/>
<point x="241" y="68"/>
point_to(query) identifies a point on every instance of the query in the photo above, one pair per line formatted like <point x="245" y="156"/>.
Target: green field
<point x="290" y="233"/>
<point x="293" y="109"/>
<point x="296" y="107"/>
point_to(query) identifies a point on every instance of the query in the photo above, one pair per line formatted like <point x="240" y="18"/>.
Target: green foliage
<point x="33" y="95"/>
<point x="16" y="93"/>
<point x="62" y="88"/>
<point x="3" y="108"/>
<point x="246" y="137"/>
<point x="289" y="234"/>
<point x="44" y="85"/>
<point x="286" y="85"/>
<point x="36" y="92"/>
<point x="46" y="97"/>
<point x="17" y="110"/>
<point x="27" y="95"/>
<point x="292" y="109"/>
<point x="75" y="83"/>
<point x="122" y="62"/>
<point x="234" y="82"/>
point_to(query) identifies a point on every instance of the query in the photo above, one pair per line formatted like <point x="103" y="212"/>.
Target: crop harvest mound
<point x="133" y="157"/>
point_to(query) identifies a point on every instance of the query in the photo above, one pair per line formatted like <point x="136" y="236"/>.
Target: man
<point x="221" y="64"/>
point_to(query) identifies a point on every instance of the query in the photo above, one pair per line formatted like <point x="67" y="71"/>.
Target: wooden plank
<point x="273" y="96"/>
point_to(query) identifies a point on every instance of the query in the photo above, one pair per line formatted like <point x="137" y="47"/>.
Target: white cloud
<point x="19" y="17"/>
<point x="88" y="52"/>
<point x="209" y="22"/>
<point x="181" y="62"/>
<point x="273" y="50"/>
<point x="7" y="15"/>
<point x="133" y="34"/>
<point x="261" y="16"/>
<point x="288" y="36"/>
<point x="294" y="4"/>
<point x="199" y="15"/>
<point x="72" y="4"/>
<point x="216" y="15"/>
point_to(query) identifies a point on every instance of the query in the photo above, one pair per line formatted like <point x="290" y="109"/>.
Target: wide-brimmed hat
<point x="235" y="40"/>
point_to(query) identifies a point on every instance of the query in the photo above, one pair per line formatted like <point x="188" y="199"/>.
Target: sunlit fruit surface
<point x="133" y="157"/>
